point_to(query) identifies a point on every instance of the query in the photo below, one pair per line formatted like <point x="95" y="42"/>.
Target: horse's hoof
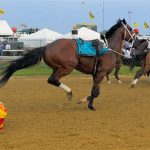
<point x="69" y="95"/>
<point x="132" y="86"/>
<point x="91" y="107"/>
<point x="82" y="100"/>
<point x="119" y="81"/>
<point x="108" y="82"/>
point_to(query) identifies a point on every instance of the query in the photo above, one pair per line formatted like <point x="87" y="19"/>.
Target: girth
<point x="97" y="45"/>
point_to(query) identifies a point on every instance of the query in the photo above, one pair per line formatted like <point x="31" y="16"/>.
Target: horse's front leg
<point x="148" y="75"/>
<point x="116" y="72"/>
<point x="97" y="78"/>
<point x="94" y="93"/>
<point x="107" y="77"/>
<point x="90" y="99"/>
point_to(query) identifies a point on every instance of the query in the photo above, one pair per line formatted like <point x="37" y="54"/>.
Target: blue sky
<point x="61" y="15"/>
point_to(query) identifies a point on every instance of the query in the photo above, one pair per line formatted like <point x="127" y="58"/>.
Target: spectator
<point x="2" y="47"/>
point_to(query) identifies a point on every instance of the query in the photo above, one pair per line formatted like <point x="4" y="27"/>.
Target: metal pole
<point x="130" y="12"/>
<point x="103" y="16"/>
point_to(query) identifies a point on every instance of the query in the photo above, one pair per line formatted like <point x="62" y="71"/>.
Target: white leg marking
<point x="65" y="88"/>
<point x="108" y="82"/>
<point x="134" y="81"/>
<point x="119" y="81"/>
<point x="82" y="100"/>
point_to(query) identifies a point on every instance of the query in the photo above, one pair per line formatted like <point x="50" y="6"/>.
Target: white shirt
<point x="127" y="53"/>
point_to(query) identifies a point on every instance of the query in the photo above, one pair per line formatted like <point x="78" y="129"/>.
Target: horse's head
<point x="126" y="31"/>
<point x="140" y="46"/>
<point x="122" y="29"/>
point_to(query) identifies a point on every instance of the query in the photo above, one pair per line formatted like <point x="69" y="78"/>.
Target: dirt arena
<point x="40" y="118"/>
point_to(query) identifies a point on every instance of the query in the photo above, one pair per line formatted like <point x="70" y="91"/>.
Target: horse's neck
<point x="143" y="45"/>
<point x="115" y="42"/>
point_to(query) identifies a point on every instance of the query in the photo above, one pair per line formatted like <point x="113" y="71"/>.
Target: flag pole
<point x="130" y="12"/>
<point x="103" y="16"/>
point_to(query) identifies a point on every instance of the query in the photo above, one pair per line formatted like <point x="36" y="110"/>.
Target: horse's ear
<point x="124" y="21"/>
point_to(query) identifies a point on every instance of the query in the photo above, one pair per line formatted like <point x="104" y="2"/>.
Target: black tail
<point x="29" y="59"/>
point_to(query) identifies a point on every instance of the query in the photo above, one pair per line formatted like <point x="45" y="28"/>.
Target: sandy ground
<point x="40" y="118"/>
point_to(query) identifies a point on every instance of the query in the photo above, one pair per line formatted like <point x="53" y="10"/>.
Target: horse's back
<point x="61" y="52"/>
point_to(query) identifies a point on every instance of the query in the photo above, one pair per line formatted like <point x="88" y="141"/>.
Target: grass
<point x="37" y="70"/>
<point x="42" y="69"/>
<point x="125" y="70"/>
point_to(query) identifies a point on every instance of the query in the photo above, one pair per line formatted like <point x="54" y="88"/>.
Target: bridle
<point x="127" y="30"/>
<point x="125" y="34"/>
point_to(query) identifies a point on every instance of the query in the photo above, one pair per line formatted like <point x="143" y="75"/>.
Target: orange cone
<point x="3" y="114"/>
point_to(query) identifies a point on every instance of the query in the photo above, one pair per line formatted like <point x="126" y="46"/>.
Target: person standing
<point x="2" y="47"/>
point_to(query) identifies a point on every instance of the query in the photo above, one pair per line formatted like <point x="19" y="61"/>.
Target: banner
<point x="146" y="26"/>
<point x="136" y="25"/>
<point x="91" y="16"/>
<point x="1" y="11"/>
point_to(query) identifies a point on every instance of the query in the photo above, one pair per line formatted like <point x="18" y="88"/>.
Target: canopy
<point x="84" y="33"/>
<point x="39" y="38"/>
<point x="5" y="29"/>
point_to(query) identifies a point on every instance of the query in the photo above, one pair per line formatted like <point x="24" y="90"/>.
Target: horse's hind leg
<point x="139" y="73"/>
<point x="56" y="76"/>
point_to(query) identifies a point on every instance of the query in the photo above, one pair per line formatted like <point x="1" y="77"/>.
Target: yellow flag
<point x="136" y="25"/>
<point x="1" y="11"/>
<point x="91" y="16"/>
<point x="146" y="26"/>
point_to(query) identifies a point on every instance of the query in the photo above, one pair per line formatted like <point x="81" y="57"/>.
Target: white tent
<point x="5" y="29"/>
<point x="146" y="37"/>
<point x="84" y="33"/>
<point x="39" y="38"/>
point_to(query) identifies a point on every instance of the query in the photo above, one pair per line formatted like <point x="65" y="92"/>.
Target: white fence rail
<point x="11" y="54"/>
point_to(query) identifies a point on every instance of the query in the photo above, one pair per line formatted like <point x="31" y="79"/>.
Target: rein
<point x="116" y="52"/>
<point x="106" y="43"/>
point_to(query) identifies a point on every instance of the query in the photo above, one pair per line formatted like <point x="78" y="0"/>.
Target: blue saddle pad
<point x="85" y="48"/>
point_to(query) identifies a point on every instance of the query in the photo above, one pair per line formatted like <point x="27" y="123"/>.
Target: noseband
<point x="127" y="30"/>
<point x="131" y="35"/>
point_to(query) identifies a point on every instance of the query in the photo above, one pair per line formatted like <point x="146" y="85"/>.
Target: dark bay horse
<point x="61" y="55"/>
<point x="142" y="59"/>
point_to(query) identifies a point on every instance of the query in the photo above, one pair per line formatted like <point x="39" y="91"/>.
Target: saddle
<point x="98" y="45"/>
<point x="93" y="48"/>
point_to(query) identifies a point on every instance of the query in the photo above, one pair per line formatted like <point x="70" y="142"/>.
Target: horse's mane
<point x="111" y="31"/>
